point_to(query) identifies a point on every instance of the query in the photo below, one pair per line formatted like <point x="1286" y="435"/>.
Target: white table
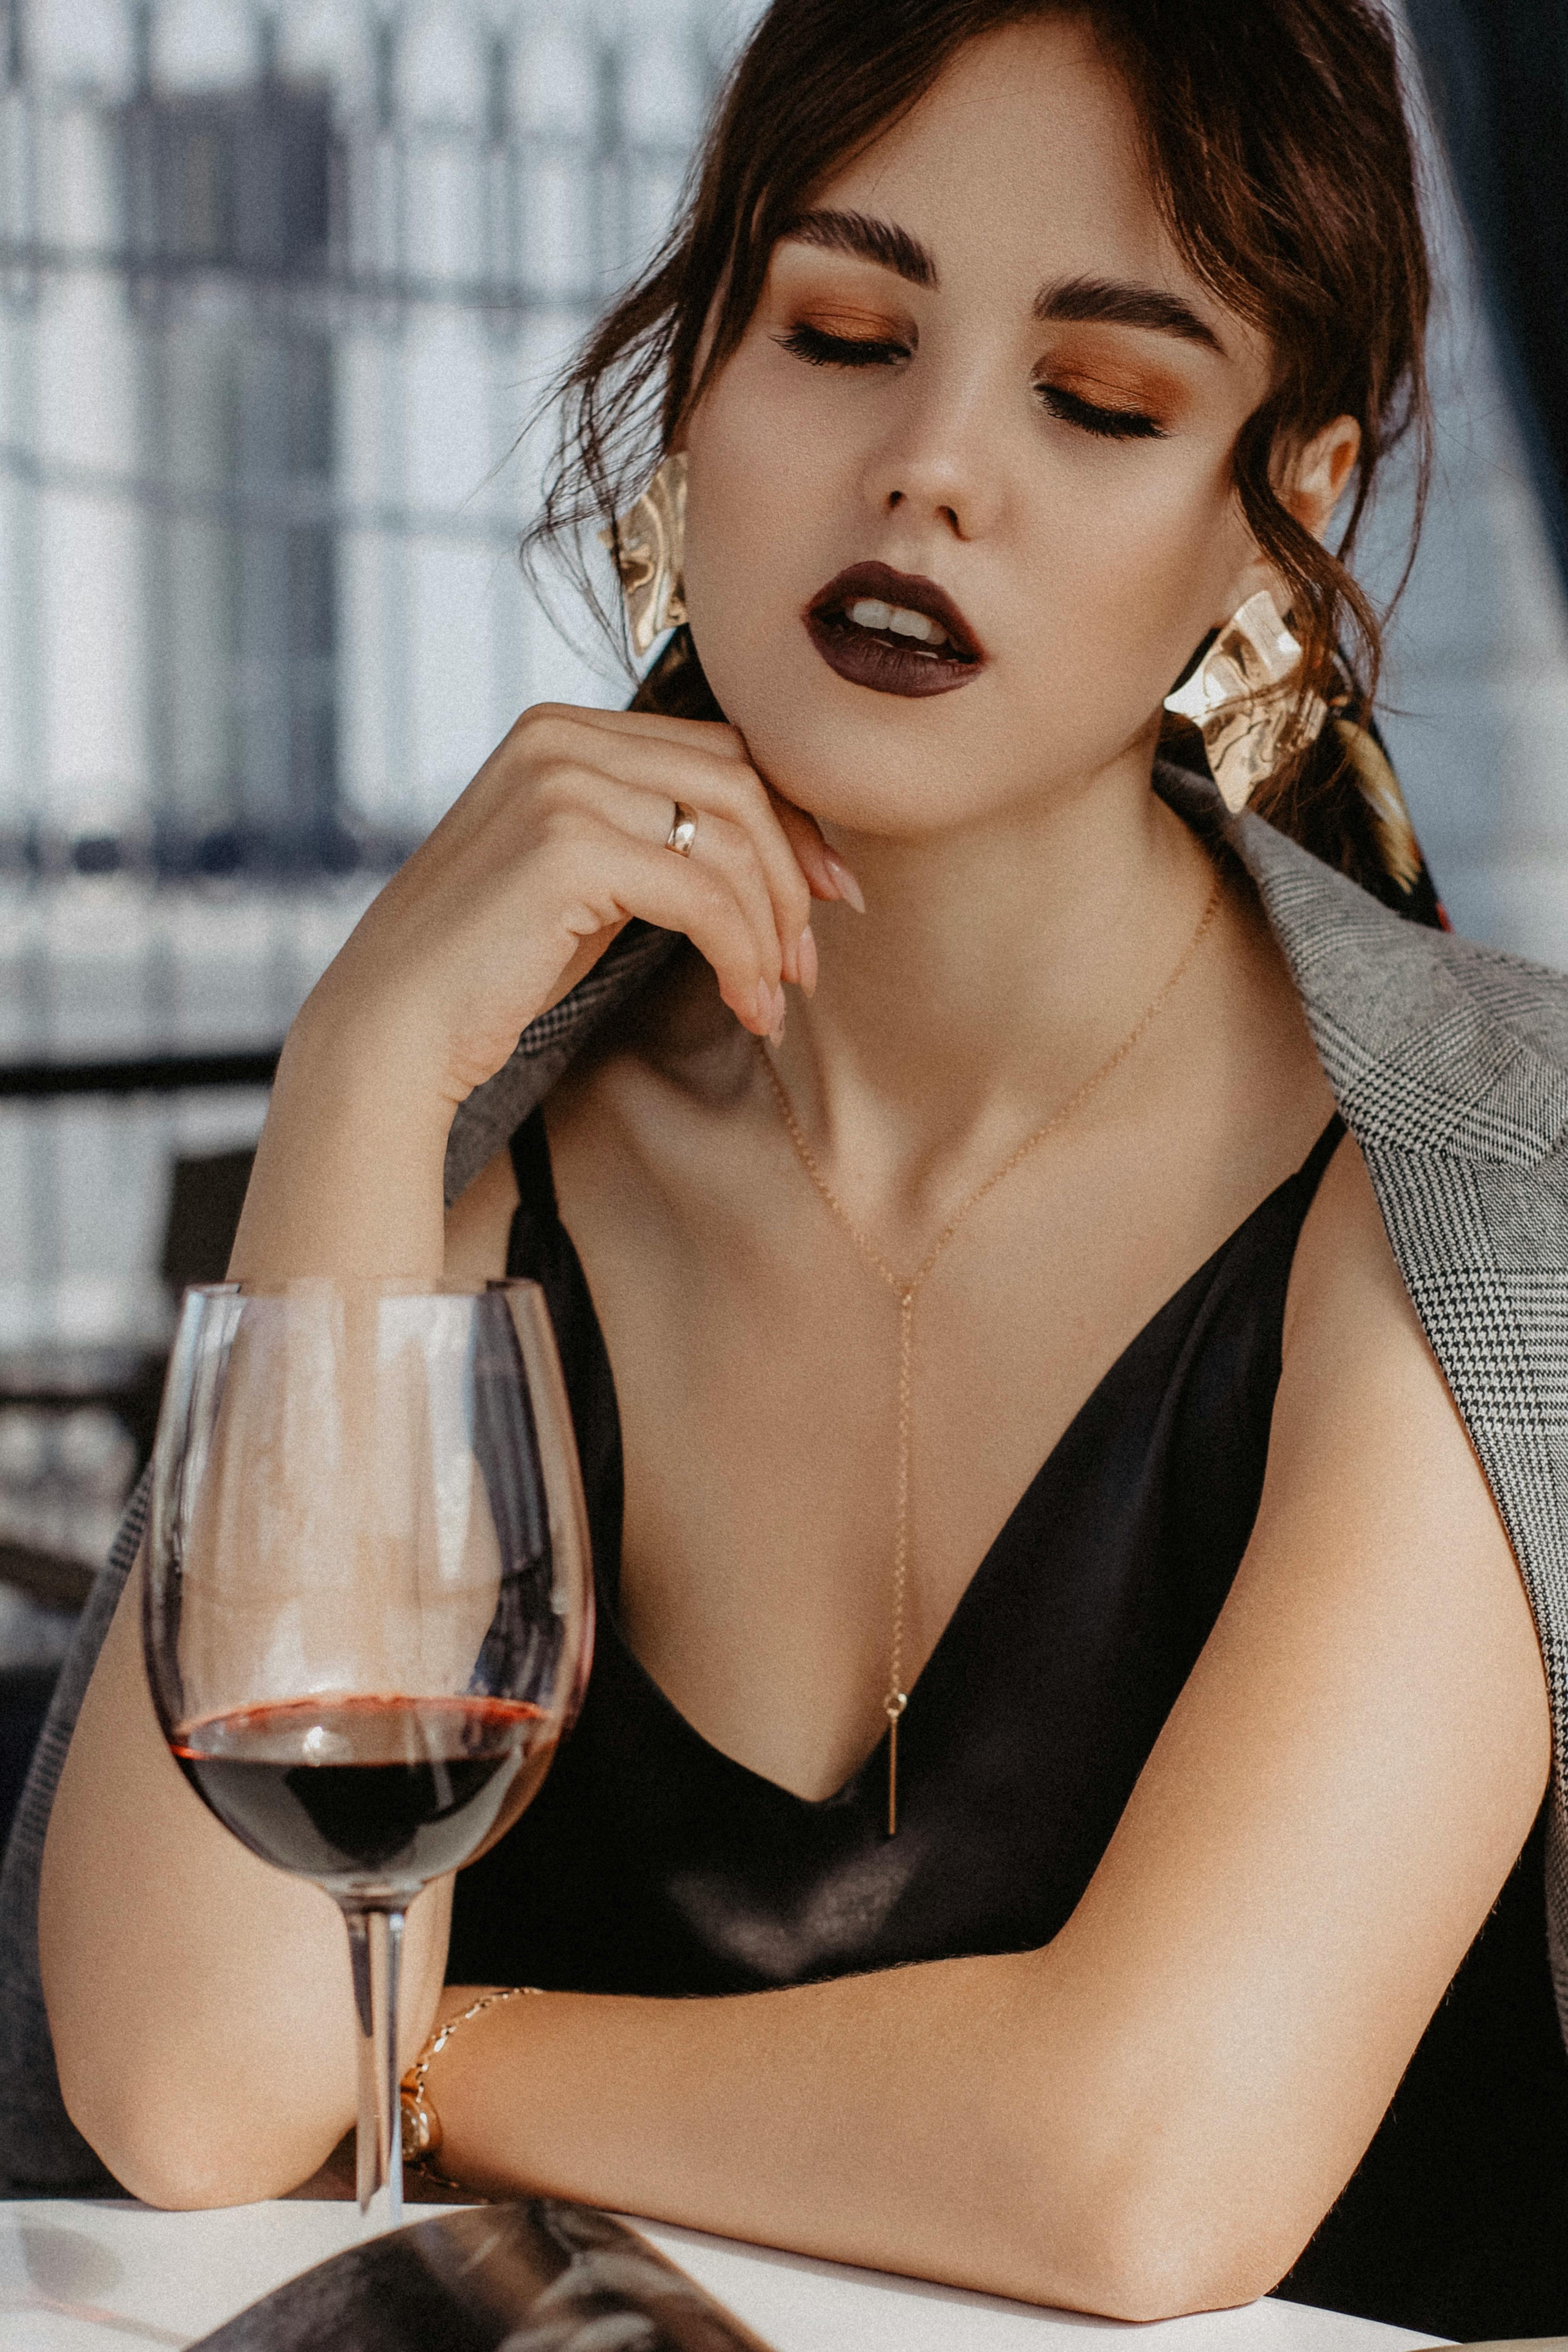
<point x="115" y="2277"/>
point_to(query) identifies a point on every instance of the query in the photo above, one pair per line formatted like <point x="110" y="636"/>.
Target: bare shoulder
<point x="1374" y="1494"/>
<point x="1362" y="1402"/>
<point x="641" y="1118"/>
<point x="1345" y="1273"/>
<point x="674" y="1060"/>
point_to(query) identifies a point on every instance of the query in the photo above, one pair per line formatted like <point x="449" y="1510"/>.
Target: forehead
<point x="1023" y="161"/>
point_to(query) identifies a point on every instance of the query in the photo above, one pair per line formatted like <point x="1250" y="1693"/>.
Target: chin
<point x="866" y="763"/>
<point x="873" y="788"/>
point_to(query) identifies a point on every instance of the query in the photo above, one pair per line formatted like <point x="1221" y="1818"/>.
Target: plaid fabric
<point x="1450" y="1065"/>
<point x="494" y="1111"/>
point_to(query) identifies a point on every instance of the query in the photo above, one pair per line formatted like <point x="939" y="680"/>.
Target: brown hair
<point x="1280" y="157"/>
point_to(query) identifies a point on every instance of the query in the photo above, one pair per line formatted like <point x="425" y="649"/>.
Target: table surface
<point x="110" y="2275"/>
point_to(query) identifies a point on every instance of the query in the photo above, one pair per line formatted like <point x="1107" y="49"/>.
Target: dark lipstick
<point x="869" y="652"/>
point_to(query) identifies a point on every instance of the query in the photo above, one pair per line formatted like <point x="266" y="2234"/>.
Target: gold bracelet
<point x="420" y="2124"/>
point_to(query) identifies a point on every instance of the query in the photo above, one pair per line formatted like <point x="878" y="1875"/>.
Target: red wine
<point x="359" y="1792"/>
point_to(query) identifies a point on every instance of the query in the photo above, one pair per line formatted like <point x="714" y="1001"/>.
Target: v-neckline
<point x="1310" y="1171"/>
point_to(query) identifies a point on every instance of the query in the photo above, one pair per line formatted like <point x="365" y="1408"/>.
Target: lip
<point x="885" y="668"/>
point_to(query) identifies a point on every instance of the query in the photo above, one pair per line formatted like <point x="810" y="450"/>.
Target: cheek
<point x="756" y="476"/>
<point x="1130" y="556"/>
<point x="758" y="495"/>
<point x="1098" y="572"/>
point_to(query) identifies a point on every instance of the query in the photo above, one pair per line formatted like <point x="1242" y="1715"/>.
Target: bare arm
<point x="1149" y="2116"/>
<point x="1153" y="2114"/>
<point x="199" y="2000"/>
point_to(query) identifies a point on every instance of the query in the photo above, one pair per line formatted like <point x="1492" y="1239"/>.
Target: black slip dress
<point x="650" y="1863"/>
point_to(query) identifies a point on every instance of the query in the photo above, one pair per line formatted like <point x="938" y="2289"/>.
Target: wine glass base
<point x="385" y="2211"/>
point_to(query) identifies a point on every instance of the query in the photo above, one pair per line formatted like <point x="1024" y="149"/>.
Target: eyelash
<point x="1105" y="424"/>
<point x="819" y="349"/>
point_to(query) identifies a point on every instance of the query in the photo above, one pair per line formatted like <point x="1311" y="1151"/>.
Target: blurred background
<point x="280" y="281"/>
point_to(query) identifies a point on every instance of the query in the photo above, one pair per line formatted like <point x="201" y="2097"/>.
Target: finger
<point x="550" y="733"/>
<point x="738" y="797"/>
<point x="674" y="770"/>
<point x="713" y="735"/>
<point x="722" y="846"/>
<point x="615" y="874"/>
<point x="826" y="873"/>
<point x="729" y="849"/>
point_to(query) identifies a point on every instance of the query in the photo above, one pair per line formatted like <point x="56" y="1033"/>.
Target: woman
<point x="1087" y="1866"/>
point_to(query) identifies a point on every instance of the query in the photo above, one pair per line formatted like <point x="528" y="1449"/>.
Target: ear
<point x="1309" y="483"/>
<point x="1312" y="481"/>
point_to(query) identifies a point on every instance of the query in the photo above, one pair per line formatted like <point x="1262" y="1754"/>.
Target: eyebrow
<point x="1111" y="302"/>
<point x="866" y="240"/>
<point x="1104" y="301"/>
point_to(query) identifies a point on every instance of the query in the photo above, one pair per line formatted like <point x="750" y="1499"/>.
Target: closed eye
<point x="819" y="349"/>
<point x="1105" y="424"/>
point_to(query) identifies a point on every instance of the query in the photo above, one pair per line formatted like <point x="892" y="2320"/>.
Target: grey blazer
<point x="1450" y="1065"/>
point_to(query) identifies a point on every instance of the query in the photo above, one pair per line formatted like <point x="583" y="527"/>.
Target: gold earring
<point x="647" y="544"/>
<point x="1239" y="700"/>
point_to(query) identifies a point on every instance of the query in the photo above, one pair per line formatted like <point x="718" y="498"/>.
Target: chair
<point x="205" y="1199"/>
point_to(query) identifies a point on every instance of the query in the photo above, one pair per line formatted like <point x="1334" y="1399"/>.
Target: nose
<point x="941" y="459"/>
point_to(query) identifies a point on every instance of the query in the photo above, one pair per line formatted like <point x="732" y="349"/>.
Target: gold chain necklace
<point x="905" y="1288"/>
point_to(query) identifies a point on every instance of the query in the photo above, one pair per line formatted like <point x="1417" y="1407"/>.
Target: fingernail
<point x="776" y="1032"/>
<point x="845" y="881"/>
<point x="790" y="960"/>
<point x="805" y="961"/>
<point x="767" y="1013"/>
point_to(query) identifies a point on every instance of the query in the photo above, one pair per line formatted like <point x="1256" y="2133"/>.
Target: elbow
<point x="183" y="2153"/>
<point x="180" y="2171"/>
<point x="1159" y="2237"/>
<point x="1154" y="2265"/>
<point x="166" y="2091"/>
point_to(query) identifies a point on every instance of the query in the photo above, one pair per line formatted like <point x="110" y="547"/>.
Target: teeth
<point x="871" y="613"/>
<point x="918" y="624"/>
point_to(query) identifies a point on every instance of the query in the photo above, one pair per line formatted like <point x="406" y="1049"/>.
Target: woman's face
<point x="980" y="363"/>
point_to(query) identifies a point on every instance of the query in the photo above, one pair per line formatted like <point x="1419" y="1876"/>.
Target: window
<point x="280" y="282"/>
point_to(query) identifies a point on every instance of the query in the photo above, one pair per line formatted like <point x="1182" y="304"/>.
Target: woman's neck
<point x="994" y="970"/>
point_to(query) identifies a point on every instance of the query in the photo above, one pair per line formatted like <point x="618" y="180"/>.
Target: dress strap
<point x="530" y="1149"/>
<point x="1310" y="1172"/>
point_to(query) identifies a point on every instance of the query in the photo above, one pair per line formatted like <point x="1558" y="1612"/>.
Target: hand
<point x="556" y="845"/>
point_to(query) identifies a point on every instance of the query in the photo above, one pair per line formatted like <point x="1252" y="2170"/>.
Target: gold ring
<point x="683" y="832"/>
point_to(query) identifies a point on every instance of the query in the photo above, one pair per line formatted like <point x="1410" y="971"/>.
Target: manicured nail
<point x="844" y="881"/>
<point x="805" y="961"/>
<point x="791" y="961"/>
<point x="776" y="1032"/>
<point x="767" y="1012"/>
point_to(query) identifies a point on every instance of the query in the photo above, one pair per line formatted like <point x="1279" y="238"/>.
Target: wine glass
<point x="368" y="1608"/>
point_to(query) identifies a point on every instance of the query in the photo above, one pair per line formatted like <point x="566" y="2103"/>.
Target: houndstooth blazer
<point x="1449" y="1063"/>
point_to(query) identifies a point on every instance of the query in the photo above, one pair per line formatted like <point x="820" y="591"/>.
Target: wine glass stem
<point x="376" y="1947"/>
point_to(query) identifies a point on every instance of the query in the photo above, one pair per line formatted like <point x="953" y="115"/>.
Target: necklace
<point x="905" y="1288"/>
